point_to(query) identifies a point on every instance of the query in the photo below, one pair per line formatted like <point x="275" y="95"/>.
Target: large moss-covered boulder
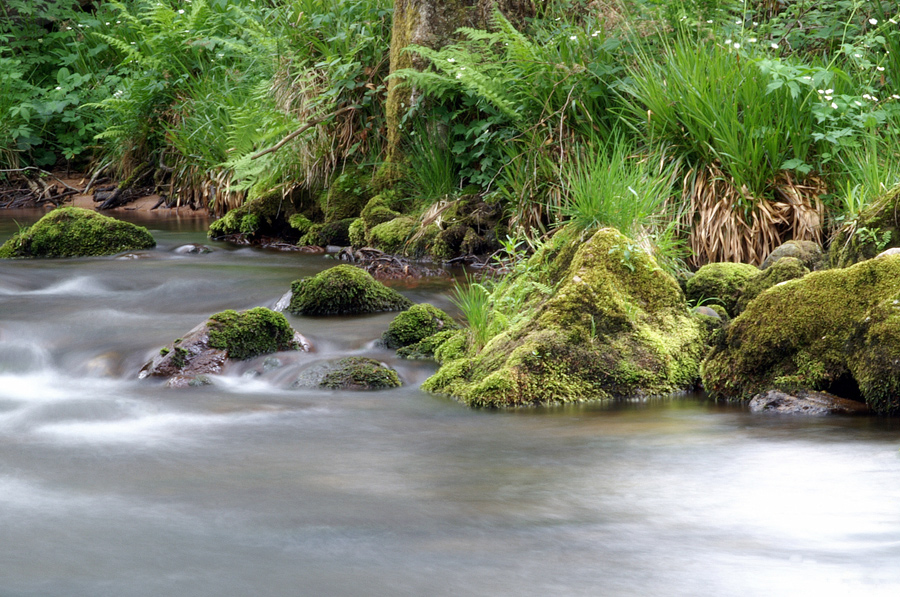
<point x="416" y="324"/>
<point x="720" y="283"/>
<point x="226" y="335"/>
<point x="835" y="330"/>
<point x="76" y="232"/>
<point x="786" y="268"/>
<point x="343" y="289"/>
<point x="582" y="321"/>
<point x="877" y="228"/>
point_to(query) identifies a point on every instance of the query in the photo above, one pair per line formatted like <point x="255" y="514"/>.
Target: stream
<point x="115" y="486"/>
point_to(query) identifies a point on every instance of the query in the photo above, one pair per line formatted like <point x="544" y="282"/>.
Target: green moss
<point x="300" y="223"/>
<point x="163" y="351"/>
<point x="826" y="331"/>
<point x="347" y="195"/>
<point x="378" y="210"/>
<point x="250" y="333"/>
<point x="720" y="283"/>
<point x="359" y="373"/>
<point x="391" y="236"/>
<point x="809" y="253"/>
<point x="230" y="223"/>
<point x="76" y="232"/>
<point x="595" y="320"/>
<point x="416" y="324"/>
<point x="357" y="233"/>
<point x="425" y="348"/>
<point x="786" y="268"/>
<point x="249" y="224"/>
<point x="343" y="289"/>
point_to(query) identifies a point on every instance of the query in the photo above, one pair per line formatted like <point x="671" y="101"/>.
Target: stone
<point x="720" y="283"/>
<point x="416" y="324"/>
<point x="350" y="373"/>
<point x="343" y="289"/>
<point x="808" y="252"/>
<point x="805" y="403"/>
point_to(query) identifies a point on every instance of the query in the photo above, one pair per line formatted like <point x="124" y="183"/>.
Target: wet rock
<point x="343" y="289"/>
<point x="808" y="252"/>
<point x="706" y="312"/>
<point x="351" y="373"/>
<point x="76" y="232"/>
<point x="805" y="403"/>
<point x="227" y="335"/>
<point x="193" y="249"/>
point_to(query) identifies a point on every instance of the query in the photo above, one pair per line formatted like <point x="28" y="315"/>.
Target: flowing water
<point x="115" y="486"/>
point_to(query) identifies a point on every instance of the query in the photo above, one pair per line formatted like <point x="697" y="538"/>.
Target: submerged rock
<point x="226" y="335"/>
<point x="834" y="330"/>
<point x="593" y="320"/>
<point x="351" y="373"/>
<point x="343" y="289"/>
<point x="76" y="232"/>
<point x="416" y="324"/>
<point x="805" y="403"/>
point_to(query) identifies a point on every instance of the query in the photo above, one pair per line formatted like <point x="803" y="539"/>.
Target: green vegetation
<point x="343" y="289"/>
<point x="76" y="232"/>
<point x="250" y="333"/>
<point x="416" y="324"/>
<point x="720" y="283"/>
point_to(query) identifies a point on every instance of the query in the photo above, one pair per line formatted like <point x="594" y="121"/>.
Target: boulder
<point x="808" y="252"/>
<point x="350" y="373"/>
<point x="835" y="330"/>
<point x="805" y="403"/>
<point x="416" y="324"/>
<point x="590" y="320"/>
<point x="720" y="283"/>
<point x="227" y="335"/>
<point x="343" y="289"/>
<point x="786" y="268"/>
<point x="875" y="229"/>
<point x="76" y="232"/>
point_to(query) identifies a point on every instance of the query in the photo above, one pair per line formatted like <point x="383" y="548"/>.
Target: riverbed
<point x="115" y="486"/>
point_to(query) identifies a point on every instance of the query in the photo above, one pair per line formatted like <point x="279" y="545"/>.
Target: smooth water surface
<point x="114" y="486"/>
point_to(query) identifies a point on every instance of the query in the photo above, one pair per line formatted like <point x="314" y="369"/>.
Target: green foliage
<point x="474" y="300"/>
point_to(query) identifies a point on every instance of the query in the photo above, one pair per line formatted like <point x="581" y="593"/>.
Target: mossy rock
<point x="808" y="252"/>
<point x="269" y="214"/>
<point x="343" y="289"/>
<point x="720" y="283"/>
<point x="250" y="333"/>
<point x="594" y="320"/>
<point x="357" y="233"/>
<point x="225" y="335"/>
<point x="877" y="228"/>
<point x="347" y="195"/>
<point x="378" y="210"/>
<point x="417" y="323"/>
<point x="426" y="347"/>
<point x="786" y="268"/>
<point x="360" y="373"/>
<point x="836" y="330"/>
<point x="332" y="233"/>
<point x="300" y="223"/>
<point x="391" y="237"/>
<point x="76" y="232"/>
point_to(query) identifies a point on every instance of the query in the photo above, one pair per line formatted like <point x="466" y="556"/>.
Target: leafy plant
<point x="473" y="299"/>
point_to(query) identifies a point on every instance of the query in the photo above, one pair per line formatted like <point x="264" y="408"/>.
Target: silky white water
<point x="115" y="486"/>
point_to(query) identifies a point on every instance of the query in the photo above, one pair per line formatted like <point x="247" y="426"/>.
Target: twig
<point x="42" y="172"/>
<point x="300" y="131"/>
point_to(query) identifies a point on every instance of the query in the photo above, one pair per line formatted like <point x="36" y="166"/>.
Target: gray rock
<point x="807" y="251"/>
<point x="889" y="252"/>
<point x="805" y="403"/>
<point x="707" y="311"/>
<point x="193" y="249"/>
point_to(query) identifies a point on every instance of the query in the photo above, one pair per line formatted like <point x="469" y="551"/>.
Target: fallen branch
<point x="44" y="172"/>
<point x="300" y="131"/>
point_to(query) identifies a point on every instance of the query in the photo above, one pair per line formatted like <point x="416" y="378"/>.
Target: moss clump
<point x="359" y="373"/>
<point x="416" y="324"/>
<point x="250" y="333"/>
<point x="76" y="232"/>
<point x="357" y="233"/>
<point x="426" y="347"/>
<point x="786" y="268"/>
<point x="332" y="233"/>
<point x="347" y="195"/>
<point x="834" y="330"/>
<point x="300" y="223"/>
<point x="343" y="289"/>
<point x="720" y="282"/>
<point x="391" y="236"/>
<point x="585" y="321"/>
<point x="379" y="209"/>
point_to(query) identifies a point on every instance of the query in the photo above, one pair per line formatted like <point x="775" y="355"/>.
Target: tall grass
<point x="474" y="300"/>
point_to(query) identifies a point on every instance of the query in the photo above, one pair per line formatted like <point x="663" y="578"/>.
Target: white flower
<point x="181" y="11"/>
<point x="807" y="78"/>
<point x="728" y="42"/>
<point x="821" y="91"/>
<point x="895" y="96"/>
<point x="833" y="106"/>
<point x="774" y="46"/>
<point x="857" y="55"/>
<point x="595" y="34"/>
<point x="752" y="40"/>
<point x="573" y="37"/>
<point x="857" y="102"/>
<point x="737" y="46"/>
<point x="866" y="96"/>
<point x="451" y="59"/>
<point x="59" y="88"/>
<point x="873" y="21"/>
<point x="827" y="98"/>
<point x="458" y="76"/>
<point x="892" y="21"/>
<point x="880" y="69"/>
<point x="709" y="21"/>
<point x="829" y="91"/>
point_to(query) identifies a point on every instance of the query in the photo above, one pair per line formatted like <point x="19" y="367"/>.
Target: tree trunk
<point x="433" y="23"/>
